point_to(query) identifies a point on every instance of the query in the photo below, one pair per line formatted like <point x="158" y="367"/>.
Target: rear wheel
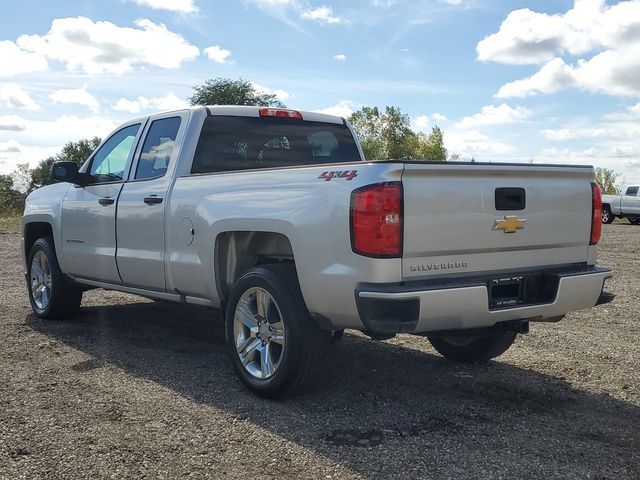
<point x="607" y="216"/>
<point x="635" y="221"/>
<point x="50" y="294"/>
<point x="275" y="346"/>
<point x="473" y="349"/>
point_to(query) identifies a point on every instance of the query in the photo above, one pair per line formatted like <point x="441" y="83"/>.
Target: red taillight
<point x="376" y="220"/>
<point x="596" y="214"/>
<point x="280" y="112"/>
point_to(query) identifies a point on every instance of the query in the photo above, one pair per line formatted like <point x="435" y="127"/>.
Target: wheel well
<point x="34" y="231"/>
<point x="236" y="252"/>
<point x="606" y="205"/>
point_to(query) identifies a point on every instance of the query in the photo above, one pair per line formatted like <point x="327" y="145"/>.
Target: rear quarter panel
<point x="311" y="212"/>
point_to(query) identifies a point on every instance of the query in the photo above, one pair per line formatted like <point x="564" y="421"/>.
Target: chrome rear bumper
<point x="464" y="303"/>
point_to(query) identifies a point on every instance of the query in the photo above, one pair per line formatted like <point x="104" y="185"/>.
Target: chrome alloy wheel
<point x="40" y="280"/>
<point x="258" y="331"/>
<point x="605" y="215"/>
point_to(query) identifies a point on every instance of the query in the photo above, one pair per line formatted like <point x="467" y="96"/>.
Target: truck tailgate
<point x="459" y="218"/>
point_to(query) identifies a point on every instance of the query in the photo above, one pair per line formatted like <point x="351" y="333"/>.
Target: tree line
<point x="384" y="133"/>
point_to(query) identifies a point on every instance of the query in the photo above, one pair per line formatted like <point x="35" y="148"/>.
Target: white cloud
<point x="12" y="95"/>
<point x="323" y="15"/>
<point x="624" y="151"/>
<point x="79" y="96"/>
<point x="614" y="130"/>
<point x="280" y="9"/>
<point x="181" y="6"/>
<point x="217" y="54"/>
<point x="341" y="57"/>
<point x="528" y="37"/>
<point x="279" y="93"/>
<point x="25" y="153"/>
<point x="438" y="117"/>
<point x="38" y="139"/>
<point x="471" y="143"/>
<point x="422" y="122"/>
<point x="10" y="147"/>
<point x="495" y="115"/>
<point x="612" y="72"/>
<point x="611" y="32"/>
<point x="16" y="61"/>
<point x="632" y="112"/>
<point x="103" y="47"/>
<point x="564" y="134"/>
<point x="169" y="102"/>
<point x="275" y="3"/>
<point x="549" y="79"/>
<point x="383" y="3"/>
<point x="567" y="155"/>
<point x="12" y="123"/>
<point x="344" y="109"/>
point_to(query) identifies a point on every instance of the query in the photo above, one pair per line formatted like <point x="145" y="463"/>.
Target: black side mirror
<point x="67" y="172"/>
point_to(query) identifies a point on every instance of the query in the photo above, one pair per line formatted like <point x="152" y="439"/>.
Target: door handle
<point x="106" y="201"/>
<point x="152" y="200"/>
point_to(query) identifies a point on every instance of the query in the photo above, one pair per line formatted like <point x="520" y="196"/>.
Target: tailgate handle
<point x="510" y="199"/>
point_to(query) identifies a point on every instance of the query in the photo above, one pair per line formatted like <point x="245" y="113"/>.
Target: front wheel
<point x="607" y="216"/>
<point x="275" y="346"/>
<point x="50" y="294"/>
<point x="473" y="349"/>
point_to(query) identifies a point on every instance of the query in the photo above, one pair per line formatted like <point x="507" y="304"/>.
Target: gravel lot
<point x="134" y="389"/>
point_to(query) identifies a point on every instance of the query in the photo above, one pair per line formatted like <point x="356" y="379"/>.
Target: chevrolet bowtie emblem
<point x="510" y="224"/>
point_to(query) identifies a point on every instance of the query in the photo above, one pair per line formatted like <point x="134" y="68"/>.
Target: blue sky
<point x="506" y="81"/>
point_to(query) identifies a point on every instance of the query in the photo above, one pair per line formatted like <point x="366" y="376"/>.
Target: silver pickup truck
<point x="622" y="206"/>
<point x="274" y="217"/>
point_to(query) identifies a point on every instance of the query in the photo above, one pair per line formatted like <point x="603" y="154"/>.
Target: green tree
<point x="22" y="177"/>
<point x="11" y="200"/>
<point x="225" y="91"/>
<point x="72" y="152"/>
<point x="430" y="147"/>
<point x="606" y="178"/>
<point x="388" y="135"/>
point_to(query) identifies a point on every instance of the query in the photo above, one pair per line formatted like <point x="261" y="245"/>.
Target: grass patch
<point x="10" y="223"/>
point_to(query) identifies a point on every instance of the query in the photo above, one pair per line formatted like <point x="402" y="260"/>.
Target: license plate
<point x="505" y="292"/>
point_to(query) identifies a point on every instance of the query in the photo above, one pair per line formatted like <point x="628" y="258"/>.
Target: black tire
<point x="607" y="216"/>
<point x="64" y="298"/>
<point x="302" y="356"/>
<point x="475" y="350"/>
<point x="634" y="221"/>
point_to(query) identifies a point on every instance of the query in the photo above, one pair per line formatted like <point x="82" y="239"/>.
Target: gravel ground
<point x="134" y="389"/>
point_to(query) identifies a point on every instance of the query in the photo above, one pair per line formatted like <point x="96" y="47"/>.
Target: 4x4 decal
<point x="348" y="174"/>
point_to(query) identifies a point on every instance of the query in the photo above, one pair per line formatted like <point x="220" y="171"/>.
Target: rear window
<point x="246" y="143"/>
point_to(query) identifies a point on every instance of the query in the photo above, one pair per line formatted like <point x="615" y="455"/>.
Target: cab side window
<point x="632" y="191"/>
<point x="109" y="162"/>
<point x="156" y="150"/>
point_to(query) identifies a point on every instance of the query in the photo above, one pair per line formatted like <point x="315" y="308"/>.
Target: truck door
<point x="631" y="201"/>
<point x="89" y="213"/>
<point x="142" y="204"/>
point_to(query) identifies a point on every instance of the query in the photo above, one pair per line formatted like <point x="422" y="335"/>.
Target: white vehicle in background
<point x="273" y="216"/>
<point x="622" y="206"/>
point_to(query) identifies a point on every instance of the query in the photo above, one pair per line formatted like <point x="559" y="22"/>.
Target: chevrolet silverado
<point x="275" y="217"/>
<point x="622" y="206"/>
